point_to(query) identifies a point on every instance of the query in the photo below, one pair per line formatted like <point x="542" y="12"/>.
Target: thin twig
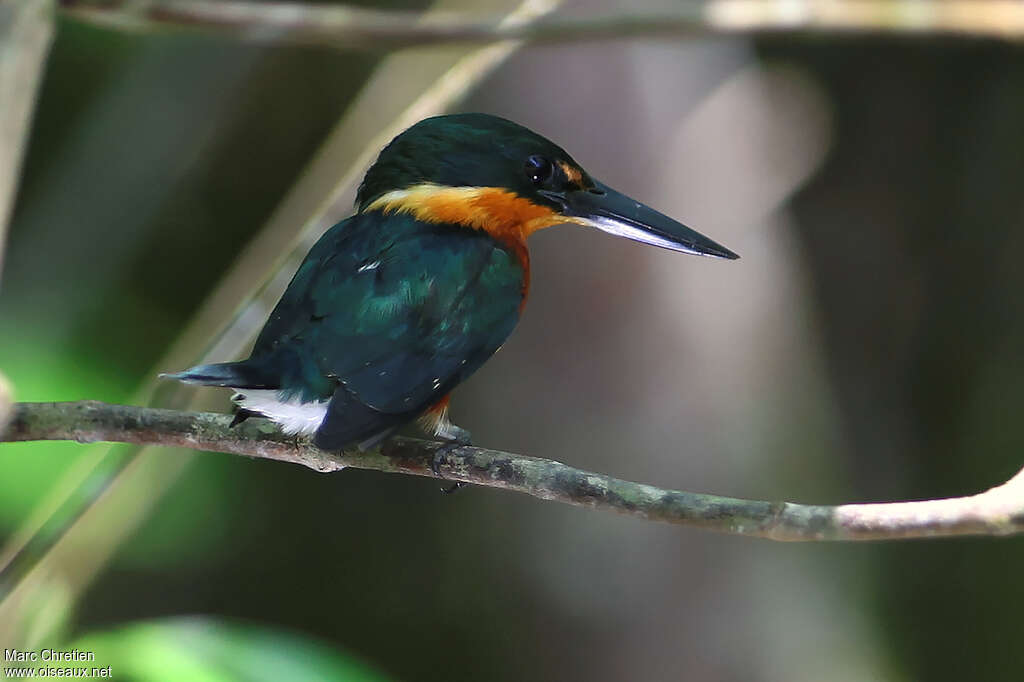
<point x="75" y="530"/>
<point x="352" y="27"/>
<point x="26" y="30"/>
<point x="999" y="511"/>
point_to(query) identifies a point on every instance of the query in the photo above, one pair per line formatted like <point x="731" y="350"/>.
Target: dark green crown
<point x="476" y="150"/>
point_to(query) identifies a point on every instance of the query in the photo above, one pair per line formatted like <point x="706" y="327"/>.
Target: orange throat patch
<point x="504" y="215"/>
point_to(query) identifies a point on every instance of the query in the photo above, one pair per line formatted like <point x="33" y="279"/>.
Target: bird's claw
<point x="441" y="455"/>
<point x="240" y="416"/>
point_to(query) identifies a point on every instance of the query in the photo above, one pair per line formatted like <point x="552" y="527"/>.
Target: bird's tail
<point x="244" y="374"/>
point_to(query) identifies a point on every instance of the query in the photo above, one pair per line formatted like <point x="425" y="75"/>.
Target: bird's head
<point x="488" y="173"/>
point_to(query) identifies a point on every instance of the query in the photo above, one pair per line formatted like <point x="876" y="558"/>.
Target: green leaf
<point x="206" y="650"/>
<point x="39" y="370"/>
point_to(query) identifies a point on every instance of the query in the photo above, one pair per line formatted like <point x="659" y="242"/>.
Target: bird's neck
<point x="504" y="215"/>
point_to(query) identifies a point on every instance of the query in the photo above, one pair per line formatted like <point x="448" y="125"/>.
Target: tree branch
<point x="999" y="511"/>
<point x="353" y="27"/>
<point x="76" y="528"/>
<point x="26" y="29"/>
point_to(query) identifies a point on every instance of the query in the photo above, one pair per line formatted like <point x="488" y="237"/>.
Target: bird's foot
<point x="240" y="416"/>
<point x="454" y="437"/>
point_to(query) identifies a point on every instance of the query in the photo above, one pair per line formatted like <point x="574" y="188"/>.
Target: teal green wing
<point x="386" y="316"/>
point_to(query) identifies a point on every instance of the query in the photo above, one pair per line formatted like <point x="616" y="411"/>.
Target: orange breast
<point x="504" y="215"/>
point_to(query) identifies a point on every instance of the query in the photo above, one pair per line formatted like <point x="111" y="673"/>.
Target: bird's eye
<point x="539" y="169"/>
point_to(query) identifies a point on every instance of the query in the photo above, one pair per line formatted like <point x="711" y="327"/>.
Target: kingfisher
<point x="395" y="306"/>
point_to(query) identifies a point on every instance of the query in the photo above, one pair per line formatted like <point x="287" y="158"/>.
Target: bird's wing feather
<point x="395" y="314"/>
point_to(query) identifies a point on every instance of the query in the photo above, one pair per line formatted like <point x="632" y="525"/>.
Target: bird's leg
<point x="435" y="421"/>
<point x="241" y="414"/>
<point x="454" y="437"/>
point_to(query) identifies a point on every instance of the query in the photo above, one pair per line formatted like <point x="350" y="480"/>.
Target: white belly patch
<point x="293" y="416"/>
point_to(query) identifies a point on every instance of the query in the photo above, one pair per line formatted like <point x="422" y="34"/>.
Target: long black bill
<point x="615" y="213"/>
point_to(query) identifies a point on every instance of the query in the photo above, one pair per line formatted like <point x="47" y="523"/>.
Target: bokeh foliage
<point x="154" y="158"/>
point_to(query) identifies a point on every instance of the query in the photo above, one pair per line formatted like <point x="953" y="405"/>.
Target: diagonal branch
<point x="351" y="27"/>
<point x="26" y="29"/>
<point x="999" y="511"/>
<point x="76" y="528"/>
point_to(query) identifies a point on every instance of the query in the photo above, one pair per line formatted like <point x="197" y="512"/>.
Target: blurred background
<point x="865" y="348"/>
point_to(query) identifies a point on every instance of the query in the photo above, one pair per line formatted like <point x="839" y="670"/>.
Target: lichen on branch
<point x="999" y="511"/>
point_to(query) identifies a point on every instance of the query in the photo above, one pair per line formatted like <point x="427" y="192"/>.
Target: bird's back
<point x="385" y="316"/>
